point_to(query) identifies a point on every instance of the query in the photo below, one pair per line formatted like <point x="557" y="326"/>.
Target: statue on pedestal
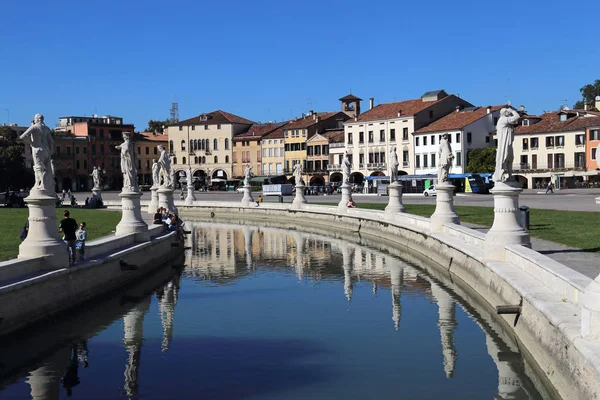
<point x="127" y="164"/>
<point x="39" y="138"/>
<point x="298" y="174"/>
<point x="164" y="163"/>
<point x="96" y="177"/>
<point x="346" y="168"/>
<point x="188" y="177"/>
<point x="247" y="173"/>
<point x="155" y="174"/>
<point x="394" y="164"/>
<point x="505" y="128"/>
<point x="445" y="157"/>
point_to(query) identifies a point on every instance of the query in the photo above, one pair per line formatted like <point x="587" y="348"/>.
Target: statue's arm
<point x="514" y="118"/>
<point x="26" y="136"/>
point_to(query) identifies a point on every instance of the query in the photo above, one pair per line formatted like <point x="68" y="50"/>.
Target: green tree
<point x="588" y="94"/>
<point x="12" y="163"/>
<point x="481" y="160"/>
<point x="157" y="126"/>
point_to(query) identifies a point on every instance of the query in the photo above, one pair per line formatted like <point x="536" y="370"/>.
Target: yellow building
<point x="247" y="148"/>
<point x="146" y="151"/>
<point x="273" y="152"/>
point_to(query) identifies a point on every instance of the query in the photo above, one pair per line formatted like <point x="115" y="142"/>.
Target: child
<point x="81" y="236"/>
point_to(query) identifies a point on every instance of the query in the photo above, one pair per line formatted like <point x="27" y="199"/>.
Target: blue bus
<point x="469" y="183"/>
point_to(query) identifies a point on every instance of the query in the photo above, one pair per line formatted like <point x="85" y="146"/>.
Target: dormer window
<point x="525" y="122"/>
<point x="563" y="117"/>
<point x="204" y="117"/>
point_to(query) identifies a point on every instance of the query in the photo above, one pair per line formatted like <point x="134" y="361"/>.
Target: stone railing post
<point x="395" y="201"/>
<point x="444" y="207"/>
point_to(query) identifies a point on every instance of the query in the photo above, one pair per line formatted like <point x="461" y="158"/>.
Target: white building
<point x="468" y="128"/>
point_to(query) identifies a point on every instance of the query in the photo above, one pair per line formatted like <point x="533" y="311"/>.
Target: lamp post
<point x="189" y="200"/>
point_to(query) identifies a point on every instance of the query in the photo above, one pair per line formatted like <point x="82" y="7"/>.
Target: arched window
<point x="215" y="144"/>
<point x="227" y="145"/>
<point x="183" y="160"/>
<point x="170" y="146"/>
<point x="195" y="160"/>
<point x="226" y="159"/>
<point x="195" y="144"/>
<point x="216" y="158"/>
<point x="183" y="145"/>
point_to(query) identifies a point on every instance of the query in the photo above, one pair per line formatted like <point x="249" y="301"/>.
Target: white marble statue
<point x="155" y="174"/>
<point x="96" y="177"/>
<point x="505" y="128"/>
<point x="164" y="163"/>
<point x="127" y="164"/>
<point x="346" y="168"/>
<point x="394" y="164"/>
<point x="247" y="173"/>
<point x="445" y="159"/>
<point x="39" y="138"/>
<point x="298" y="174"/>
<point x="188" y="177"/>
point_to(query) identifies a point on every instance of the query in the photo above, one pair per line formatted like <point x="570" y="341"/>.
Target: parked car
<point x="240" y="189"/>
<point x="430" y="192"/>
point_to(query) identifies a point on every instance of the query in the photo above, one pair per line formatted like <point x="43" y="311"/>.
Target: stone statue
<point x="155" y="174"/>
<point x="39" y="138"/>
<point x="96" y="177"/>
<point x="394" y="164"/>
<point x="188" y="177"/>
<point x="445" y="157"/>
<point x="127" y="164"/>
<point x="164" y="166"/>
<point x="505" y="128"/>
<point x="247" y="173"/>
<point x="172" y="178"/>
<point x="298" y="174"/>
<point x="346" y="168"/>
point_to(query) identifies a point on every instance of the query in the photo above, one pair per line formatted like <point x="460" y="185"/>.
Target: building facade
<point x="146" y="151"/>
<point x="273" y="153"/>
<point x="247" y="148"/>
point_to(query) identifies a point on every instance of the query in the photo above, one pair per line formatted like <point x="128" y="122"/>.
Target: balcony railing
<point x="336" y="145"/>
<point x="376" y="166"/>
<point x="543" y="167"/>
<point x="334" y="167"/>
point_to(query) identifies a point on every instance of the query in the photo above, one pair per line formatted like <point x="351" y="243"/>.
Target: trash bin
<point x="281" y="199"/>
<point x="524" y="217"/>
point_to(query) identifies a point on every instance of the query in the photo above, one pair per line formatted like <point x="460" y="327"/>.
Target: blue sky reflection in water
<point x="269" y="313"/>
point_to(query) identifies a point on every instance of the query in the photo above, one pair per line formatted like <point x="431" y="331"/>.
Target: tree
<point x="157" y="126"/>
<point x="481" y="160"/>
<point x="12" y="163"/>
<point x="588" y="94"/>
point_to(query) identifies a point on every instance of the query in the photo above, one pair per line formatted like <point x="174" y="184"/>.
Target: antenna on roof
<point x="174" y="113"/>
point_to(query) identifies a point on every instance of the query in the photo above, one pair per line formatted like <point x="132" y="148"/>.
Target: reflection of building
<point x="133" y="323"/>
<point x="146" y="151"/>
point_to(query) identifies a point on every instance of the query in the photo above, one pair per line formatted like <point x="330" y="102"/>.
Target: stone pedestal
<point x="590" y="311"/>
<point x="506" y="228"/>
<point x="346" y="193"/>
<point x="189" y="200"/>
<point x="43" y="238"/>
<point x="97" y="193"/>
<point x="299" y="199"/>
<point x="165" y="199"/>
<point x="395" y="202"/>
<point x="247" y="199"/>
<point x="131" y="218"/>
<point x="444" y="208"/>
<point x="153" y="206"/>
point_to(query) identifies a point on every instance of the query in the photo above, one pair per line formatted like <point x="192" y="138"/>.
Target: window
<point x="139" y="164"/>
<point x="68" y="150"/>
<point x="193" y="127"/>
<point x="218" y="126"/>
<point x="303" y="132"/>
<point x="382" y="135"/>
<point x="309" y="151"/>
<point x="433" y="160"/>
<point x="325" y="149"/>
<point x="559" y="141"/>
<point x="495" y="121"/>
<point x="215" y="144"/>
<point x="405" y="134"/>
<point x="264" y="152"/>
<point x="417" y="161"/>
<point x="550" y="158"/>
<point x="424" y="142"/>
<point x="404" y="158"/>
<point x="226" y="142"/>
<point x="139" y="150"/>
<point x="487" y="139"/>
<point x="93" y="149"/>
<point x="270" y="152"/>
<point x="534" y="143"/>
<point x="183" y="160"/>
<point x="171" y="146"/>
<point x="276" y="152"/>
<point x="469" y="137"/>
<point x="424" y="160"/>
<point x="432" y="140"/>
<point x="147" y="164"/>
<point x="430" y="114"/>
<point x="458" y="138"/>
<point x="579" y="140"/>
<point x="147" y="150"/>
<point x="226" y="159"/>
<point x="392" y="135"/>
<point x="417" y="141"/>
<point x="180" y="127"/>
<point x="534" y="161"/>
<point x="371" y="137"/>
<point x="594" y="149"/>
<point x="174" y="160"/>
<point x="579" y="160"/>
<point x="559" y="160"/>
<point x="449" y="138"/>
<point x="525" y="144"/>
<point x="85" y="163"/>
<point x="77" y="163"/>
<point x="57" y="150"/>
<point x="101" y="149"/>
<point x="349" y="138"/>
<point x="594" y="134"/>
<point x="195" y="160"/>
<point x="361" y="137"/>
<point x="216" y="160"/>
<point x="84" y="150"/>
<point x="550" y="141"/>
<point x="458" y="158"/>
<point x="183" y="145"/>
<point x="77" y="150"/>
<point x="524" y="162"/>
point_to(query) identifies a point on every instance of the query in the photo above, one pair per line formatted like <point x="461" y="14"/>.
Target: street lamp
<point x="189" y="179"/>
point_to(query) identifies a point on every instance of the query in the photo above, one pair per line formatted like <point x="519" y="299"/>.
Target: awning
<point x="216" y="180"/>
<point x="588" y="173"/>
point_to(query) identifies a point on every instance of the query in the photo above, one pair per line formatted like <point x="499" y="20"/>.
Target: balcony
<point x="405" y="164"/>
<point x="554" y="167"/>
<point x="337" y="145"/>
<point x="376" y="166"/>
<point x="334" y="167"/>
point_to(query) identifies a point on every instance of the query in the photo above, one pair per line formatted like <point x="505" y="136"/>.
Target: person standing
<point x="81" y="236"/>
<point x="549" y="188"/>
<point x="68" y="227"/>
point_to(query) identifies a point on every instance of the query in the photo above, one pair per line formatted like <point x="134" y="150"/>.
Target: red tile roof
<point x="457" y="120"/>
<point x="350" y="97"/>
<point x="217" y="117"/>
<point x="257" y="131"/>
<point x="308" y="120"/>
<point x="334" y="136"/>
<point x="159" y="137"/>
<point x="390" y="110"/>
<point x="551" y="123"/>
<point x="276" y="134"/>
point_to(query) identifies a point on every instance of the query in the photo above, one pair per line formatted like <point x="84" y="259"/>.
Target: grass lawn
<point x="578" y="229"/>
<point x="99" y="223"/>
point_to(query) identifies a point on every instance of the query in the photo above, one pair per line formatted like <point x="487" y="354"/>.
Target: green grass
<point x="99" y="223"/>
<point x="578" y="229"/>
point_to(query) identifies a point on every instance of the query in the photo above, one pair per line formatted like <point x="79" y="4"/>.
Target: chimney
<point x="586" y="106"/>
<point x="311" y="112"/>
<point x="317" y="118"/>
<point x="355" y="118"/>
<point x="399" y="113"/>
<point x="489" y="109"/>
<point x="314" y="116"/>
<point x="371" y="103"/>
<point x="457" y="108"/>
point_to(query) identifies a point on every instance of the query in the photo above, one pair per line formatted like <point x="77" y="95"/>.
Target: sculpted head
<point x="38" y="119"/>
<point x="126" y="136"/>
<point x="160" y="147"/>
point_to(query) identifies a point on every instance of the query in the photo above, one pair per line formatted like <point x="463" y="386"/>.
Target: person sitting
<point x="176" y="225"/>
<point x="350" y="203"/>
<point x="157" y="219"/>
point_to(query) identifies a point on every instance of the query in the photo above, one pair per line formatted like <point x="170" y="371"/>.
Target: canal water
<point x="266" y="313"/>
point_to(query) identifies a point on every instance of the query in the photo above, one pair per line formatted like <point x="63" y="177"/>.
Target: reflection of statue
<point x="39" y="138"/>
<point x="164" y="164"/>
<point x="247" y="173"/>
<point x="155" y="174"/>
<point x="346" y="168"/>
<point x="298" y="174"/>
<point x="127" y="165"/>
<point x="96" y="177"/>
<point x="394" y="164"/>
<point x="445" y="157"/>
<point x="504" y="154"/>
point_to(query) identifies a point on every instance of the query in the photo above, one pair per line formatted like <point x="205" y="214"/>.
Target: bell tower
<point x="351" y="105"/>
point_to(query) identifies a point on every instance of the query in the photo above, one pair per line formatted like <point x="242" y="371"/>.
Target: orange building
<point x="592" y="152"/>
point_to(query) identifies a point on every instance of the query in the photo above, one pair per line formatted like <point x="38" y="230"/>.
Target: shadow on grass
<point x="592" y="250"/>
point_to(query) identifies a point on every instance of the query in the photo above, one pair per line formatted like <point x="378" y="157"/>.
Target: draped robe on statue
<point x="504" y="153"/>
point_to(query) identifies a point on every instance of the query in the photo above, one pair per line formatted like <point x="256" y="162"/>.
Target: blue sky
<point x="263" y="60"/>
